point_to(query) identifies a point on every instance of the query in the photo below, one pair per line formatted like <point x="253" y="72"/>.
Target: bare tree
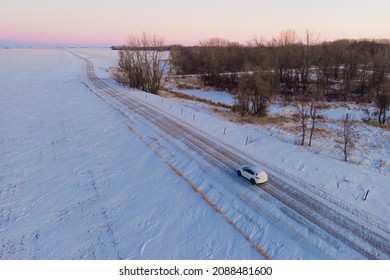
<point x="242" y="102"/>
<point x="303" y="116"/>
<point x="348" y="136"/>
<point x="324" y="63"/>
<point x="315" y="102"/>
<point x="143" y="62"/>
<point x="284" y="57"/>
<point x="310" y="49"/>
<point x="383" y="103"/>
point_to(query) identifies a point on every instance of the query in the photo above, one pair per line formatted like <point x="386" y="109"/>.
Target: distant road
<point x="328" y="221"/>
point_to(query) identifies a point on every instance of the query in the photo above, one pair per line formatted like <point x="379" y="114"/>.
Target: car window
<point x="250" y="172"/>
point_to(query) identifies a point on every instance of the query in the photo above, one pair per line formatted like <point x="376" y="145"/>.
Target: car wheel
<point x="253" y="182"/>
<point x="239" y="173"/>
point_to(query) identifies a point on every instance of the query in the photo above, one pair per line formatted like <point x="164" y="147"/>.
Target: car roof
<point x="254" y="168"/>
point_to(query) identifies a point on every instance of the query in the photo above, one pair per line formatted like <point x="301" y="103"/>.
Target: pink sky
<point x="110" y="22"/>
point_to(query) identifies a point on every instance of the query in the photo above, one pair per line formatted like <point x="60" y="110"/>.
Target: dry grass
<point x="174" y="94"/>
<point x="165" y="93"/>
<point x="376" y="124"/>
<point x="187" y="82"/>
<point x="292" y="129"/>
<point x="324" y="132"/>
<point x="280" y="121"/>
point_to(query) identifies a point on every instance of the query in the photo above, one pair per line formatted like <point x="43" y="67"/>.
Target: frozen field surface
<point x="77" y="182"/>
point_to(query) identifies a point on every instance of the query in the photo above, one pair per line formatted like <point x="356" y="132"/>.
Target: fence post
<point x="365" y="197"/>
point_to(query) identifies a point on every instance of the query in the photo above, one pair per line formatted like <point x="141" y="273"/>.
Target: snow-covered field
<point x="371" y="144"/>
<point x="75" y="181"/>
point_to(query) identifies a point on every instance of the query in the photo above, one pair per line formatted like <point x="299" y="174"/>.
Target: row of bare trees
<point x="307" y="115"/>
<point x="294" y="67"/>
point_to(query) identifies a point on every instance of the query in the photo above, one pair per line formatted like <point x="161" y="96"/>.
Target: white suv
<point x="253" y="173"/>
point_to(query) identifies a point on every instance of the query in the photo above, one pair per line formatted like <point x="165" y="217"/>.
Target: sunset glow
<point x="110" y="22"/>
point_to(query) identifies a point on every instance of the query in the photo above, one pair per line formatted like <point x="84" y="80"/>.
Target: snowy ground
<point x="71" y="173"/>
<point x="371" y="144"/>
<point x="75" y="183"/>
<point x="331" y="178"/>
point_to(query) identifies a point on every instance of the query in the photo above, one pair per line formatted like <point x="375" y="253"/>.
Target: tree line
<point x="293" y="67"/>
<point x="299" y="69"/>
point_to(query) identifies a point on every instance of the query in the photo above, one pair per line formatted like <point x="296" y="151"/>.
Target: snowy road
<point x="304" y="222"/>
